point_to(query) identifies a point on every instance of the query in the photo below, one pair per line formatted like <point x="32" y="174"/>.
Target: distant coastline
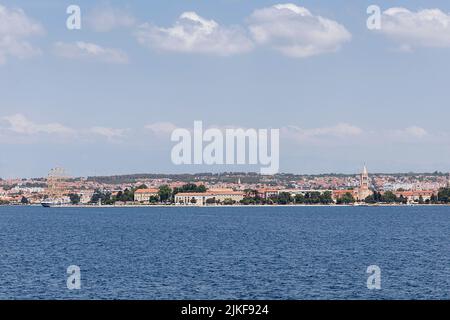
<point x="231" y="189"/>
<point x="233" y="205"/>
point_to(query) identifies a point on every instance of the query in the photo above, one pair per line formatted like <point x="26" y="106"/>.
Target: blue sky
<point x="103" y="99"/>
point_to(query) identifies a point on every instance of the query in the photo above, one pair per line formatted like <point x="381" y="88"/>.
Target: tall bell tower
<point x="364" y="185"/>
<point x="364" y="179"/>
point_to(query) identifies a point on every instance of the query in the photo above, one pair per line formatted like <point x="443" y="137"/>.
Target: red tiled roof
<point x="139" y="191"/>
<point x="415" y="193"/>
<point x="210" y="193"/>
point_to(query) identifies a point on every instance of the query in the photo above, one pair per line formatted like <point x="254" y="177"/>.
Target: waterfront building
<point x="416" y="195"/>
<point x="144" y="195"/>
<point x="200" y="198"/>
<point x="266" y="193"/>
<point x="294" y="192"/>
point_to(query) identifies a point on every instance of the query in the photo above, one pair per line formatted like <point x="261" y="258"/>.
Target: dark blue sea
<point x="225" y="253"/>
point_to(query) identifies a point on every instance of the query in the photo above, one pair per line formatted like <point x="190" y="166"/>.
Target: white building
<point x="86" y="196"/>
<point x="200" y="198"/>
<point x="294" y="192"/>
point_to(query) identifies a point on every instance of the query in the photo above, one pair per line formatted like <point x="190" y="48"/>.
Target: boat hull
<point x="54" y="203"/>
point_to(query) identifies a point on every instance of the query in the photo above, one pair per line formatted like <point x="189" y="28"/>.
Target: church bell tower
<point x="364" y="179"/>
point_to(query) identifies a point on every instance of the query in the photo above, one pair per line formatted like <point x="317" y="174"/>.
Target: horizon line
<point x="436" y="172"/>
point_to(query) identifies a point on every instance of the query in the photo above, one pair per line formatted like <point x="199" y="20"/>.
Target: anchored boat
<point x="48" y="203"/>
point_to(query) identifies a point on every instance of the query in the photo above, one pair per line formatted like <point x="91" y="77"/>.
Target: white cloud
<point x="194" y="34"/>
<point x="410" y="132"/>
<point x="15" y="30"/>
<point x="295" y="31"/>
<point x="18" y="123"/>
<point x="107" y="18"/>
<point x="85" y="50"/>
<point x="338" y="131"/>
<point x="19" y="126"/>
<point x="424" y="28"/>
<point x="353" y="135"/>
<point x="161" y="127"/>
<point x="110" y="133"/>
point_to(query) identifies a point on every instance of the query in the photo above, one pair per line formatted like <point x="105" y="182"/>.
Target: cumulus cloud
<point x="410" y="132"/>
<point x="161" y="127"/>
<point x="18" y="126"/>
<point x="295" y="31"/>
<point x="16" y="28"/>
<point x="423" y="28"/>
<point x="106" y="18"/>
<point x="347" y="133"/>
<point x="338" y="131"/>
<point x="194" y="34"/>
<point x="110" y="133"/>
<point x="86" y="50"/>
<point x="18" y="123"/>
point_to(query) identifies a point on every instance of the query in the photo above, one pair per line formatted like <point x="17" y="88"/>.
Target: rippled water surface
<point x="225" y="253"/>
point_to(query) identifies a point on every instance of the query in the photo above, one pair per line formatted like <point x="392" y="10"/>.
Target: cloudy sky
<point x="104" y="99"/>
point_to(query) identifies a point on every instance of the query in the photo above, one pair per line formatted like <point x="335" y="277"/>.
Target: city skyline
<point x="103" y="100"/>
<point x="58" y="188"/>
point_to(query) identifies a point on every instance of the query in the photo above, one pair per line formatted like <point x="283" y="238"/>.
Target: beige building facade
<point x="144" y="195"/>
<point x="200" y="199"/>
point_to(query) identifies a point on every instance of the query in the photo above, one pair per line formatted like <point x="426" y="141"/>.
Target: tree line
<point x="165" y="194"/>
<point x="252" y="198"/>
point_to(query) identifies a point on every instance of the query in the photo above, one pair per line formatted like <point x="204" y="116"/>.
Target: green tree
<point x="118" y="196"/>
<point x="125" y="196"/>
<point x="74" y="198"/>
<point x="314" y="197"/>
<point x="347" y="198"/>
<point x="326" y="197"/>
<point x="421" y="201"/>
<point x="201" y="188"/>
<point x="402" y="199"/>
<point x="248" y="200"/>
<point x="165" y="193"/>
<point x="24" y="200"/>
<point x="299" y="198"/>
<point x="189" y="187"/>
<point x="228" y="201"/>
<point x="444" y="195"/>
<point x="283" y="198"/>
<point x="374" y="198"/>
<point x="389" y="197"/>
<point x="103" y="197"/>
<point x="434" y="198"/>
